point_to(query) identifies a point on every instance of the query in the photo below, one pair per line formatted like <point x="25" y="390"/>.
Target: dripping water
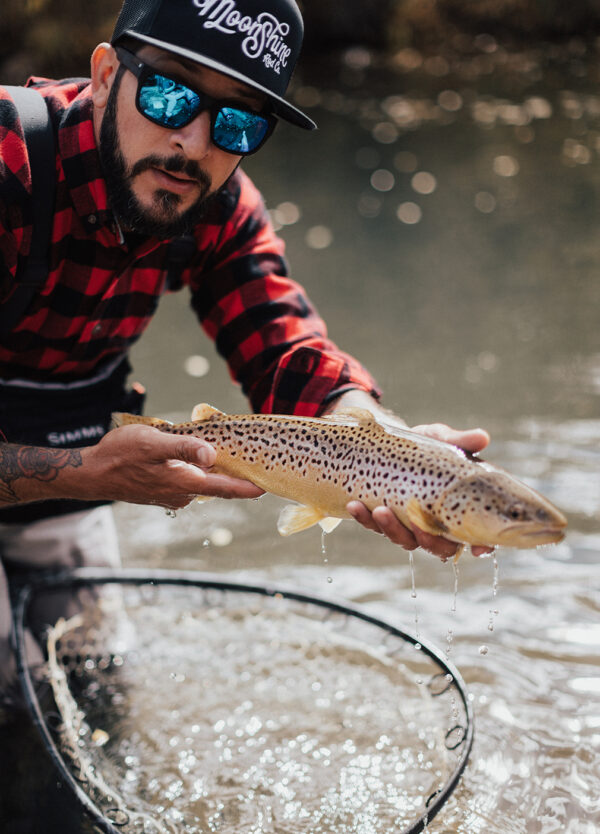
<point x="324" y="553"/>
<point x="456" y="574"/>
<point x="413" y="593"/>
<point x="493" y="610"/>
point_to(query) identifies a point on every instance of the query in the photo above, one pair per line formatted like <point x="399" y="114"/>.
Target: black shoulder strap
<point x="181" y="252"/>
<point x="39" y="136"/>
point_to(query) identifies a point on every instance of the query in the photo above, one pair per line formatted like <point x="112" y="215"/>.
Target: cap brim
<point x="279" y="106"/>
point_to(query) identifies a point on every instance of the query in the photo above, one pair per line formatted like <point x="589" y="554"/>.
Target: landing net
<point x="185" y="703"/>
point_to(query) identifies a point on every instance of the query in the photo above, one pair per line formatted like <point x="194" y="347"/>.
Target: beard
<point x="164" y="219"/>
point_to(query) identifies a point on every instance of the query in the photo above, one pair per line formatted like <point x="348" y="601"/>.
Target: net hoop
<point x="26" y="591"/>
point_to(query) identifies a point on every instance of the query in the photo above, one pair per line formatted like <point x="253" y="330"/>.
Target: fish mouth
<point x="537" y="536"/>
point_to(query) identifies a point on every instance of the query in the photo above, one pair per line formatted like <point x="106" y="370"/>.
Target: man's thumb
<point x="197" y="452"/>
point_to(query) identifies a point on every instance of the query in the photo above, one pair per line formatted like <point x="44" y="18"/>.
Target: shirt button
<point x="92" y="219"/>
<point x="97" y="329"/>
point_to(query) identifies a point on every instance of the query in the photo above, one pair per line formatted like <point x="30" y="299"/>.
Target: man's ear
<point x="104" y="66"/>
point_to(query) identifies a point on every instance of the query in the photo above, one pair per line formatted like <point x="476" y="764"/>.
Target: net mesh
<point x="188" y="709"/>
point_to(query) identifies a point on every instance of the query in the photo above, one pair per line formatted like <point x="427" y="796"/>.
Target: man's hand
<point x="142" y="465"/>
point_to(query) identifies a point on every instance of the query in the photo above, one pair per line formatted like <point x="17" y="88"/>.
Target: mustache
<point x="173" y="165"/>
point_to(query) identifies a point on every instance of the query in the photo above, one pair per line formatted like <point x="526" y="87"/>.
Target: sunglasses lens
<point x="238" y="131"/>
<point x="166" y="102"/>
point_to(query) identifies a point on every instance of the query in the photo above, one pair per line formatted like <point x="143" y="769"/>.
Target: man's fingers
<point x="360" y="513"/>
<point x="395" y="531"/>
<point x="471" y="440"/>
<point x="435" y="544"/>
<point x="223" y="486"/>
<point x="190" y="450"/>
<point x="382" y="520"/>
<point x="481" y="550"/>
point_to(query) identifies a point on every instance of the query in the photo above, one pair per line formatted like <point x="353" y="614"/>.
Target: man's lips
<point x="174" y="182"/>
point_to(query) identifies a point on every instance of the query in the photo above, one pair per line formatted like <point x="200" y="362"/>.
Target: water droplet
<point x="414" y="590"/>
<point x="455" y="568"/>
<point x="483" y="650"/>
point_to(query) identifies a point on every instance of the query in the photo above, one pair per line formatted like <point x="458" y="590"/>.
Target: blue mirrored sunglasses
<point x="172" y="104"/>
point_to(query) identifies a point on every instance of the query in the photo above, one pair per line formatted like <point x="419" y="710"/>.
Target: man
<point x="147" y="152"/>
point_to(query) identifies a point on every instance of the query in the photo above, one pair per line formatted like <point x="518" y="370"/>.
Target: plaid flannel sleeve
<point x="263" y="324"/>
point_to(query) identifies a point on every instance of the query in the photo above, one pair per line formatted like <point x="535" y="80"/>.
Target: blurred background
<point x="444" y="219"/>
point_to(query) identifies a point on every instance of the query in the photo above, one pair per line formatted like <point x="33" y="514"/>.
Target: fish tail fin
<point x="121" y="418"/>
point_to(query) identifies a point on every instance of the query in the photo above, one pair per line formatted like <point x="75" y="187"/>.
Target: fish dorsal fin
<point x="120" y="418"/>
<point x="297" y="517"/>
<point x="204" y="411"/>
<point x="361" y="415"/>
<point x="423" y="519"/>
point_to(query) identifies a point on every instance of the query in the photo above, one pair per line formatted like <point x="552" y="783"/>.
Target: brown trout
<point x="322" y="463"/>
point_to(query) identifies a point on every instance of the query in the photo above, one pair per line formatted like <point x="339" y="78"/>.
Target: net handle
<point x="29" y="586"/>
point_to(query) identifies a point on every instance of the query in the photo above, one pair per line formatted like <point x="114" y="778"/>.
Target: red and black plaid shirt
<point x="100" y="294"/>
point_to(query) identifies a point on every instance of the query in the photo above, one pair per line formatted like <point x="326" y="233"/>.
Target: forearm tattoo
<point x="31" y="462"/>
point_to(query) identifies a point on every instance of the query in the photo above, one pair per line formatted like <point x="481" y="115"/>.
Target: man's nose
<point x="193" y="140"/>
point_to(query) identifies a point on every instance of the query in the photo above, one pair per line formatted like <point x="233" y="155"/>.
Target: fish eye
<point x="517" y="512"/>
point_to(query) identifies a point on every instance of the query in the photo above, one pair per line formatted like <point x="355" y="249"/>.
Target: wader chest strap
<point x="39" y="137"/>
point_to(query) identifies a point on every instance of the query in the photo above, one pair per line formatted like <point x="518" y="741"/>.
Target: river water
<point x="444" y="221"/>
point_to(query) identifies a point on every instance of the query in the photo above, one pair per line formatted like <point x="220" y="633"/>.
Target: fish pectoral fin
<point x="120" y="418"/>
<point x="423" y="519"/>
<point x="297" y="517"/>
<point x="204" y="411"/>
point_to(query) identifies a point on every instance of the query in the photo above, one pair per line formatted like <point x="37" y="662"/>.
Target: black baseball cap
<point x="254" y="41"/>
